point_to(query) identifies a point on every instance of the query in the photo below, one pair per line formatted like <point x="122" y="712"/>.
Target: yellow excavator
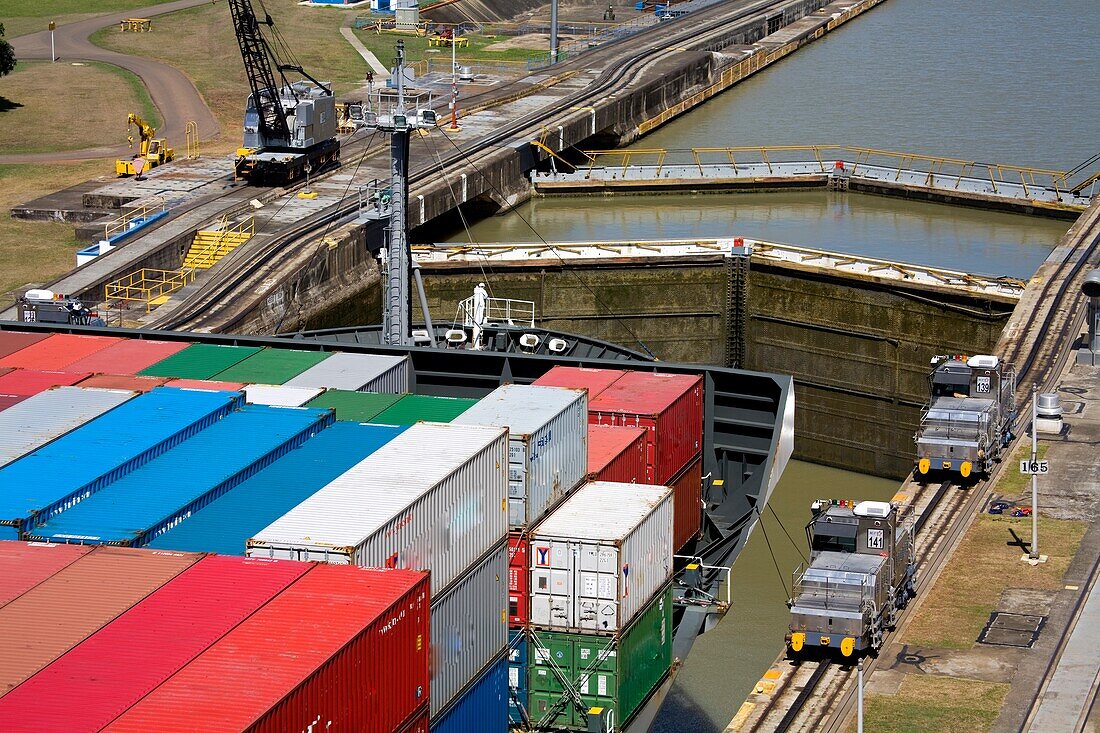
<point x="155" y="151"/>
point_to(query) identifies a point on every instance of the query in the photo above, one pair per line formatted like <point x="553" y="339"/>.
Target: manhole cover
<point x="1012" y="629"/>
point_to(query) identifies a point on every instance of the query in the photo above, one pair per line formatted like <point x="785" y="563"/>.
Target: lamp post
<point x="1035" y="475"/>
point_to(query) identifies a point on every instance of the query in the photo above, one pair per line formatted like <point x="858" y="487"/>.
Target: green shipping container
<point x="272" y="366"/>
<point x="354" y="406"/>
<point x="199" y="361"/>
<point x="616" y="673"/>
<point x="413" y="408"/>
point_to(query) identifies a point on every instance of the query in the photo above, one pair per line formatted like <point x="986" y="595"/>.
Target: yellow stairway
<point x="210" y="245"/>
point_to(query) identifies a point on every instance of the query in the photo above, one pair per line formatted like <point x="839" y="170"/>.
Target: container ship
<point x="230" y="533"/>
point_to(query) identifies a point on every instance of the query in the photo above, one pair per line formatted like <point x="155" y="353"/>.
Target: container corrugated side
<point x="27" y="382"/>
<point x="483" y="707"/>
<point x="594" y="380"/>
<point x="615" y="672"/>
<point x="128" y="356"/>
<point x="13" y="341"/>
<point x="24" y="565"/>
<point x="547" y="444"/>
<point x="687" y="501"/>
<point x="87" y="688"/>
<point x="57" y="352"/>
<point x="225" y="525"/>
<point x="362" y="662"/>
<point x="72" y="604"/>
<point x="468" y="627"/>
<point x="519" y="577"/>
<point x="269" y="394"/>
<point x="433" y="498"/>
<point x="60" y="474"/>
<point x="354" y="406"/>
<point x="668" y="406"/>
<point x="415" y="408"/>
<point x="518" y="704"/>
<point x="358" y="372"/>
<point x="206" y="384"/>
<point x="616" y="454"/>
<point x="123" y="381"/>
<point x="10" y="400"/>
<point x="597" y="560"/>
<point x="272" y="366"/>
<point x="199" y="361"/>
<point x="48" y="415"/>
<point x="168" y="489"/>
<point x="418" y="724"/>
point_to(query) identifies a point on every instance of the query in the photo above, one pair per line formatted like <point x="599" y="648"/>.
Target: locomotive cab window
<point x="835" y="538"/>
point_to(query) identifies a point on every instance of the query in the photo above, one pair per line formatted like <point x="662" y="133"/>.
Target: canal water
<point x="1004" y="81"/>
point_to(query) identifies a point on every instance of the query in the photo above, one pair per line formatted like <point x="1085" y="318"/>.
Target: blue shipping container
<point x="517" y="675"/>
<point x="225" y="525"/>
<point x="168" y="489"/>
<point x="76" y="465"/>
<point x="483" y="707"/>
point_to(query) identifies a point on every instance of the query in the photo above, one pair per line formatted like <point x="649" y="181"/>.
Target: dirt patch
<point x="529" y="41"/>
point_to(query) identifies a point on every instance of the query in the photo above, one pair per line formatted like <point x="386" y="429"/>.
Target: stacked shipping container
<point x="179" y="635"/>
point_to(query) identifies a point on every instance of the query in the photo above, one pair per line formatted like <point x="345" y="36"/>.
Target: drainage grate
<point x="1012" y="629"/>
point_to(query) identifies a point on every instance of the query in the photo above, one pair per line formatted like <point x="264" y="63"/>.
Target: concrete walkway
<point x="372" y="60"/>
<point x="174" y="95"/>
<point x="1069" y="695"/>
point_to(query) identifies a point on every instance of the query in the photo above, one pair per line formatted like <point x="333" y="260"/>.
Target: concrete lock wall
<point x="859" y="351"/>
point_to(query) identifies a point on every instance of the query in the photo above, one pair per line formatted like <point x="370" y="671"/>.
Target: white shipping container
<point x="357" y="372"/>
<point x="469" y="627"/>
<point x="433" y="498"/>
<point x="272" y="394"/>
<point x="547" y="444"/>
<point x="46" y="416"/>
<point x="597" y="560"/>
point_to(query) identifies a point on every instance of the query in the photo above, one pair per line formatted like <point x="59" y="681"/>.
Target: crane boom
<point x="258" y="67"/>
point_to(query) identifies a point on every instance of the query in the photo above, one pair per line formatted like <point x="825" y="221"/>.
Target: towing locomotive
<point x="862" y="573"/>
<point x="967" y="423"/>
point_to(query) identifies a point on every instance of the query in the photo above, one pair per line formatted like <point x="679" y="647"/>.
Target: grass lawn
<point x="1014" y="483"/>
<point x="200" y="42"/>
<point x="29" y="16"/>
<point x="31" y="251"/>
<point x="101" y="94"/>
<point x="929" y="704"/>
<point x="958" y="607"/>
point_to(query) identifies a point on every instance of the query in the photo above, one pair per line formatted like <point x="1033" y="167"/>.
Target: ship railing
<point x="497" y="310"/>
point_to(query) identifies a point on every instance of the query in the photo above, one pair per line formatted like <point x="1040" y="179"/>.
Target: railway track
<point x="1041" y="357"/>
<point x="229" y="295"/>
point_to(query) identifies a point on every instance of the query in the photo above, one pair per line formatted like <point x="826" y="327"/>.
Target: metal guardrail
<point x="148" y="285"/>
<point x="129" y="219"/>
<point x="1061" y="188"/>
<point x="498" y="310"/>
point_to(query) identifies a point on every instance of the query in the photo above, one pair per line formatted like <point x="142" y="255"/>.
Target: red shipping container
<point x="594" y="380"/>
<point x="616" y="454"/>
<point x="42" y="624"/>
<point x="668" y="406"/>
<point x="206" y="384"/>
<point x="95" y="682"/>
<point x="7" y="400"/>
<point x="13" y="341"/>
<point x="349" y="641"/>
<point x="57" y="351"/>
<point x="519" y="570"/>
<point x="122" y="381"/>
<point x="128" y="356"/>
<point x="27" y="382"/>
<point x="687" y="498"/>
<point x="24" y="565"/>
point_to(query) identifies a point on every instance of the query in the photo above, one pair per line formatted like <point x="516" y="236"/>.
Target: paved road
<point x="174" y="95"/>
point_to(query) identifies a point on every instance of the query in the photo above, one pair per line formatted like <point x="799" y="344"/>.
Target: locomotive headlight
<point x="981" y="453"/>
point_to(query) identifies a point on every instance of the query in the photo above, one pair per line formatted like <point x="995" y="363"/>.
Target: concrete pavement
<point x="174" y="95"/>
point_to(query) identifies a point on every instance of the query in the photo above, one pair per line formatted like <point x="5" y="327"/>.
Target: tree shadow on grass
<point x="7" y="105"/>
